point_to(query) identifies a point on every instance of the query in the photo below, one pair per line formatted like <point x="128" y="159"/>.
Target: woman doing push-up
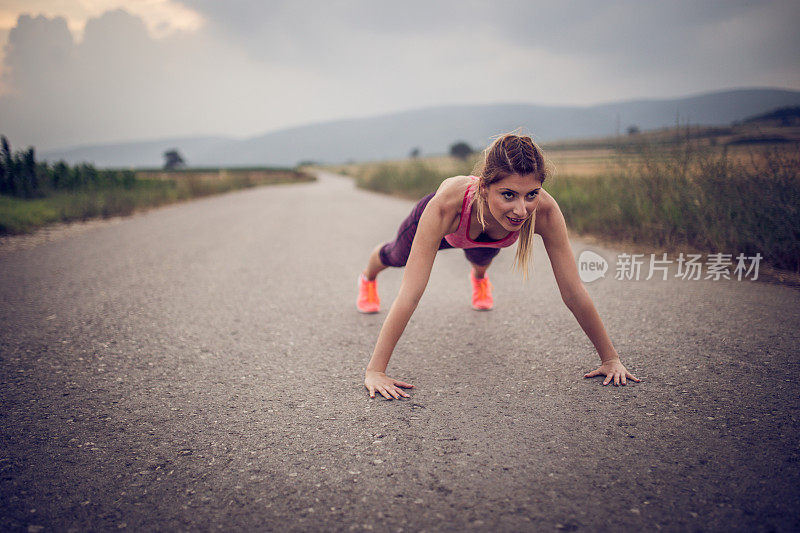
<point x="503" y="204"/>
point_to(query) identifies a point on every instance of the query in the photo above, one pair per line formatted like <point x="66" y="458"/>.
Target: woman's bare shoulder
<point x="546" y="212"/>
<point x="450" y="194"/>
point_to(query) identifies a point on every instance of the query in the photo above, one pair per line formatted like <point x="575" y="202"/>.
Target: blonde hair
<point x="510" y="154"/>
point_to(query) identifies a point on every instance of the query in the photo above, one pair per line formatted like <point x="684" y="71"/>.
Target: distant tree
<point x="460" y="150"/>
<point x="173" y="160"/>
<point x="6" y="172"/>
<point x="633" y="130"/>
<point x="414" y="153"/>
<point x="21" y="176"/>
<point x="30" y="181"/>
<point x="60" y="178"/>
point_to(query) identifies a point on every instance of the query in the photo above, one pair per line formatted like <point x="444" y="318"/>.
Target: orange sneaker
<point x="368" y="301"/>
<point x="481" y="293"/>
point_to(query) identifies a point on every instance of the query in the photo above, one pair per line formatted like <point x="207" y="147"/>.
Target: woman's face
<point x="512" y="199"/>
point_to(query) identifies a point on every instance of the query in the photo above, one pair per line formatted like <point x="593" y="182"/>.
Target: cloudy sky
<point x="90" y="71"/>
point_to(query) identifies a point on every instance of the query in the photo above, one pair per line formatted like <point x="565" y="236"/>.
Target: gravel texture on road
<point x="200" y="367"/>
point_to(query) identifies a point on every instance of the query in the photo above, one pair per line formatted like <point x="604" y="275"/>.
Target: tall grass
<point x="695" y="197"/>
<point x="663" y="195"/>
<point x="410" y="179"/>
<point x="21" y="215"/>
<point x="18" y="215"/>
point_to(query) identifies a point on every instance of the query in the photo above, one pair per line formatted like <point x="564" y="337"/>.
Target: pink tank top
<point x="460" y="237"/>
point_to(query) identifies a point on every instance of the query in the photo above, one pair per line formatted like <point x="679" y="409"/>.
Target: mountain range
<point x="433" y="130"/>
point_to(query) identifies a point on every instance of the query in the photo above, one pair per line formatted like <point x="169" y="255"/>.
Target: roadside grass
<point x="703" y="198"/>
<point x="18" y="215"/>
<point x="714" y="206"/>
<point x="410" y="179"/>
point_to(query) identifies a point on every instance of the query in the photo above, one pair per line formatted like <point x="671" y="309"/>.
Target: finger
<point x="607" y="380"/>
<point x="371" y="391"/>
<point x="616" y="380"/>
<point x="384" y="393"/>
<point x="393" y="392"/>
<point x="634" y="378"/>
<point x="402" y="393"/>
<point x="403" y="384"/>
<point x="592" y="374"/>
<point x="622" y="380"/>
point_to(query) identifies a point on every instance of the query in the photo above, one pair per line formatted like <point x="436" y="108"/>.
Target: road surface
<point x="200" y="367"/>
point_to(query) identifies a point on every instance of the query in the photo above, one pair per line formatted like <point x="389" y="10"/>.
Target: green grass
<point x="412" y="180"/>
<point x="23" y="215"/>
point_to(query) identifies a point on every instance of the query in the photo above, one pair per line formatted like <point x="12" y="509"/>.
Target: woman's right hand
<point x="379" y="381"/>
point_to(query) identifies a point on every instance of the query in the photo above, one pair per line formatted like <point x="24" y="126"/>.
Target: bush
<point x="461" y="150"/>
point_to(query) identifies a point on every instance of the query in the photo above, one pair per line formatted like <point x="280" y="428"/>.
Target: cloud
<point x="161" y="17"/>
<point x="38" y="50"/>
<point x="247" y="67"/>
<point x="120" y="83"/>
<point x="621" y="35"/>
<point x="583" y="50"/>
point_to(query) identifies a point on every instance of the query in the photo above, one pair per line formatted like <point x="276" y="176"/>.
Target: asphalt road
<point x="200" y="367"/>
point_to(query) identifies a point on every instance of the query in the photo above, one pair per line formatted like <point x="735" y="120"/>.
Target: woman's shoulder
<point x="547" y="211"/>
<point x="450" y="194"/>
<point x="547" y="204"/>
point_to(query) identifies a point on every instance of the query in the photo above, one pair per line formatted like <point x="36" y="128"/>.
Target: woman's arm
<point x="433" y="225"/>
<point x="553" y="230"/>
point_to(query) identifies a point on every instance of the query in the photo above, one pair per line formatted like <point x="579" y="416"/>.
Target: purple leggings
<point x="395" y="253"/>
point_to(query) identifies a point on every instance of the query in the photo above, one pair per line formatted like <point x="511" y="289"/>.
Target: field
<point x="204" y="181"/>
<point x="149" y="188"/>
<point x="688" y="195"/>
<point x="574" y="162"/>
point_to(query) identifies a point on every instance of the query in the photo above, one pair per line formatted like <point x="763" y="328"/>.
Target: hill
<point x="433" y="130"/>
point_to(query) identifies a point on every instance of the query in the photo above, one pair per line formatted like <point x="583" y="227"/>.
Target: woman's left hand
<point x="613" y="369"/>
